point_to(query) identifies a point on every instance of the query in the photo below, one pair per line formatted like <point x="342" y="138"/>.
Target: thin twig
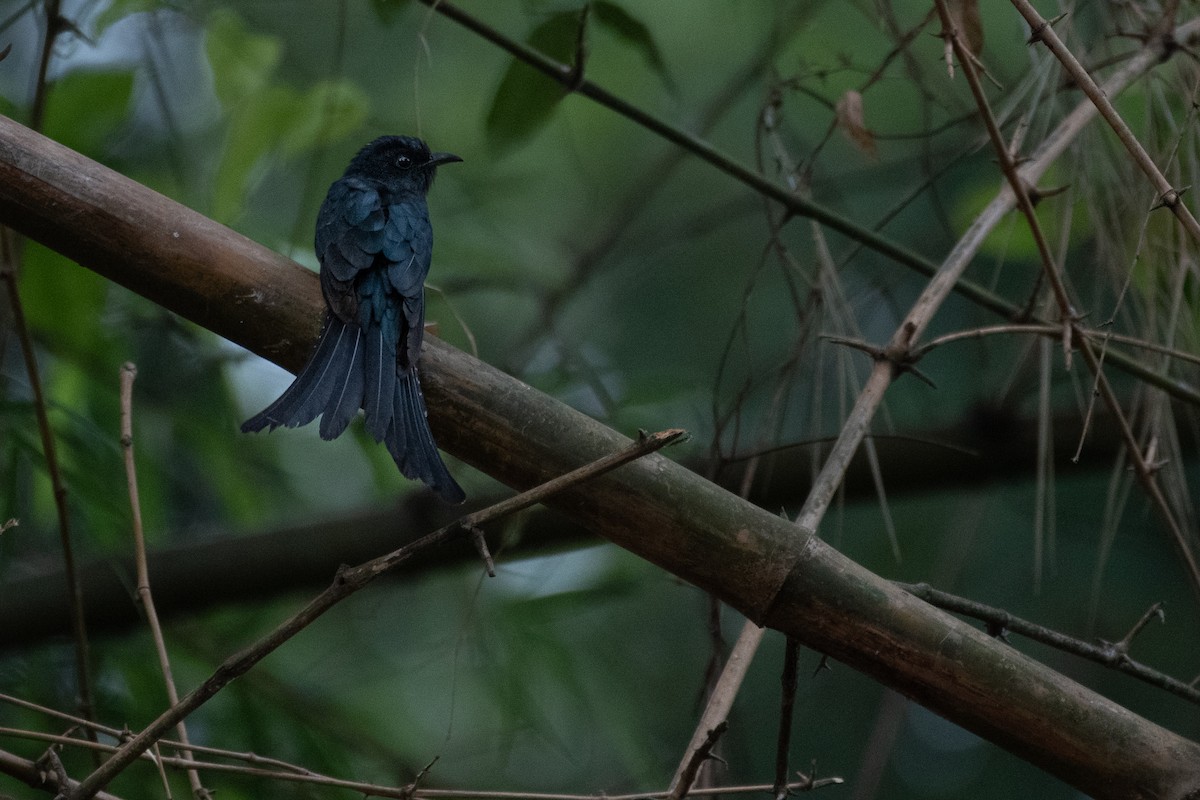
<point x="787" y="710"/>
<point x="1154" y="612"/>
<point x="716" y="712"/>
<point x="1000" y="621"/>
<point x="867" y="237"/>
<point x="119" y="735"/>
<point x="348" y="581"/>
<point x="300" y="775"/>
<point x="59" y="489"/>
<point x="10" y="245"/>
<point x="695" y="760"/>
<point x="1054" y="330"/>
<point x="55" y="25"/>
<point x="1169" y="196"/>
<point x="145" y="597"/>
<point x="29" y="772"/>
<point x="1066" y="309"/>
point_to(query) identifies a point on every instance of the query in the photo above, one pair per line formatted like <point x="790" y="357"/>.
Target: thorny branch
<point x="1066" y="309"/>
<point x="1109" y="654"/>
<point x="348" y="581"/>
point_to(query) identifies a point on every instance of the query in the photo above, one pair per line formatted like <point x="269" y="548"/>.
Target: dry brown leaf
<point x="851" y="118"/>
<point x="969" y="23"/>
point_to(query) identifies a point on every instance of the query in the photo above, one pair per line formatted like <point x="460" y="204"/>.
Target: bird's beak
<point x="437" y="159"/>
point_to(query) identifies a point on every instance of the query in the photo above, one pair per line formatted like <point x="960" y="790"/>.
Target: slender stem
<point x="799" y="206"/>
<point x="721" y="700"/>
<point x="300" y="775"/>
<point x="787" y="710"/>
<point x="55" y="24"/>
<point x="1169" y="196"/>
<point x="1066" y="309"/>
<point x="59" y="488"/>
<point x="697" y="759"/>
<point x="999" y="621"/>
<point x="145" y="597"/>
<point x="10" y="246"/>
<point x="348" y="581"/>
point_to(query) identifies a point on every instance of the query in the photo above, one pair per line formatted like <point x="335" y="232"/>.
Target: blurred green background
<point x="602" y="265"/>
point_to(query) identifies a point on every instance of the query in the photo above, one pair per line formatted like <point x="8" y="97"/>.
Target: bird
<point x="374" y="242"/>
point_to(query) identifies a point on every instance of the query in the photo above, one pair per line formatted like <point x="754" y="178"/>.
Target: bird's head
<point x="405" y="162"/>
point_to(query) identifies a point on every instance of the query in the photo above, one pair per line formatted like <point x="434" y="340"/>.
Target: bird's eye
<point x="403" y="161"/>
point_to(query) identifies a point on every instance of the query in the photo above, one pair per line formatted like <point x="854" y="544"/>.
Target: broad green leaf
<point x="633" y="32"/>
<point x="253" y="132"/>
<point x="118" y="10"/>
<point x="83" y="109"/>
<point x="525" y="98"/>
<point x="63" y="302"/>
<point x="285" y="122"/>
<point x="265" y="115"/>
<point x="386" y="10"/>
<point x="327" y="112"/>
<point x="243" y="63"/>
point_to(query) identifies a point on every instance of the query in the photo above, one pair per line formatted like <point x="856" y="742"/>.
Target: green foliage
<point x="86" y="109"/>
<point x="117" y="10"/>
<point x="526" y="98"/>
<point x="633" y="32"/>
<point x="610" y="269"/>
<point x="266" y="116"/>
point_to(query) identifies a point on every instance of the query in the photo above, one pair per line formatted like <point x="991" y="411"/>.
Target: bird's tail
<point x="410" y="441"/>
<point x="331" y="385"/>
<point x="352" y="368"/>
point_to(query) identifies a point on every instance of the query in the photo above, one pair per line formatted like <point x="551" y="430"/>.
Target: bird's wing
<point x="408" y="244"/>
<point x="351" y="232"/>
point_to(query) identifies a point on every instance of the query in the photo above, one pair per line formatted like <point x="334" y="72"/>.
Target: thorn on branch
<point x="1170" y="199"/>
<point x="1150" y="459"/>
<point x="50" y="764"/>
<point x="1119" y="651"/>
<point x="822" y="666"/>
<point x="575" y="75"/>
<point x="997" y="630"/>
<point x="699" y="756"/>
<point x="1037" y="34"/>
<point x="410" y="790"/>
<point x="481" y="545"/>
<point x="901" y="358"/>
<point x="1037" y="195"/>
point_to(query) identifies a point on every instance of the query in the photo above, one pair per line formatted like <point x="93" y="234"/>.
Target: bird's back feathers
<point x="374" y="242"/>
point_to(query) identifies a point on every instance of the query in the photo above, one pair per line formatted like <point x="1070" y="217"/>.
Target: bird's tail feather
<point x="410" y="441"/>
<point x="379" y="363"/>
<point x="317" y="385"/>
<point x="351" y="369"/>
<point x="347" y="372"/>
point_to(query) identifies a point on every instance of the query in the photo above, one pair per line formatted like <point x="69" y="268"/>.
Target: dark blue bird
<point x="374" y="242"/>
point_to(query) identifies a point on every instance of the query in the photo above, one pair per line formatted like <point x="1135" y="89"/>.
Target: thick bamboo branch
<point x="750" y="558"/>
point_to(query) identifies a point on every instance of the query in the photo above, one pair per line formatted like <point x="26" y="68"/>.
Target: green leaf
<point x="254" y="130"/>
<point x="63" y="303"/>
<point x="83" y="109"/>
<point x="266" y="116"/>
<point x="634" y="33"/>
<point x="526" y="98"/>
<point x="117" y="10"/>
<point x="243" y="63"/>
<point x="386" y="10"/>
<point x="328" y="112"/>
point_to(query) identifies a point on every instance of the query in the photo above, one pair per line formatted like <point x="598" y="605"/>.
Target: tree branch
<point x="750" y="558"/>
